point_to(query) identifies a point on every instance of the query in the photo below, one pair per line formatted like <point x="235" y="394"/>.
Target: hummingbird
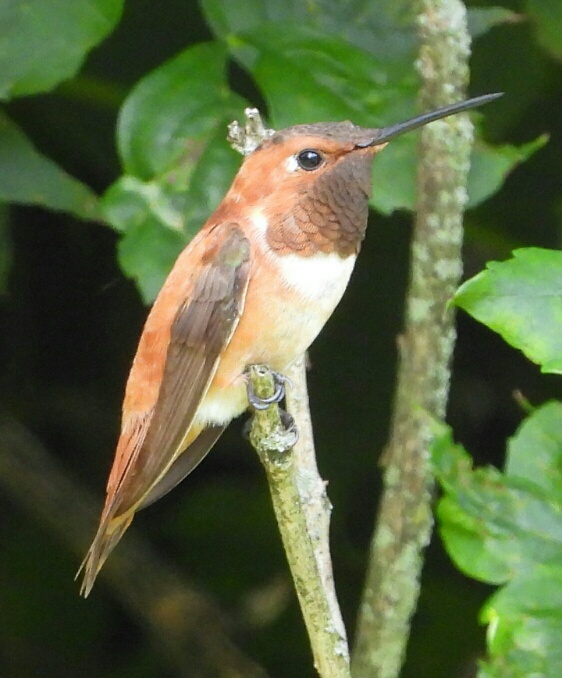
<point x="255" y="286"/>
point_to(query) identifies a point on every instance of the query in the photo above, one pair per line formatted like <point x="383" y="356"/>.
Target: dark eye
<point x="309" y="159"/>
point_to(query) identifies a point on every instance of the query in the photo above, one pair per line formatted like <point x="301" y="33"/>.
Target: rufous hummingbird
<point x="255" y="285"/>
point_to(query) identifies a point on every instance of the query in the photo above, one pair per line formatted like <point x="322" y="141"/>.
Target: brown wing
<point x="184" y="464"/>
<point x="200" y="331"/>
<point x="152" y="437"/>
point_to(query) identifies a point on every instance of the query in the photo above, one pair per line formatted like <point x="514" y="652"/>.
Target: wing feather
<point x="184" y="464"/>
<point x="156" y="422"/>
<point x="201" y="330"/>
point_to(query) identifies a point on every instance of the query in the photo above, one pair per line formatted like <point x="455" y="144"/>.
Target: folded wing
<point x="152" y="440"/>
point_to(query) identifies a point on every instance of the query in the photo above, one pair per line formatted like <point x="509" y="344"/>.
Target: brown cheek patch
<point x="330" y="216"/>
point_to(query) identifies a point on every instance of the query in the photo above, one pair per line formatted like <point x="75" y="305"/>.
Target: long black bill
<point x="387" y="133"/>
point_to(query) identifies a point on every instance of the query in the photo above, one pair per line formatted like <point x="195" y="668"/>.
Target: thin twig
<point x="302" y="509"/>
<point x="425" y="349"/>
<point x="187" y="629"/>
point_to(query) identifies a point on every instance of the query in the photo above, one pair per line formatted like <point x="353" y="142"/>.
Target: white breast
<point x="321" y="278"/>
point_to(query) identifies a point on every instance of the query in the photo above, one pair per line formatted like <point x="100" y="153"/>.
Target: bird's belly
<point x="286" y="307"/>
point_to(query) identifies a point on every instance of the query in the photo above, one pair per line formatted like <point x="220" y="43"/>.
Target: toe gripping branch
<point x="287" y="433"/>
<point x="258" y="403"/>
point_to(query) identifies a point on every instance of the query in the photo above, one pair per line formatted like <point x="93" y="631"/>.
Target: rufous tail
<point x="107" y="537"/>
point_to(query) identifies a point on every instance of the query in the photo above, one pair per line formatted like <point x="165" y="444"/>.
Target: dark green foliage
<point x="505" y="529"/>
<point x="83" y="214"/>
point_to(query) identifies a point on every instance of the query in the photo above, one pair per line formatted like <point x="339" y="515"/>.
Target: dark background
<point x="69" y="323"/>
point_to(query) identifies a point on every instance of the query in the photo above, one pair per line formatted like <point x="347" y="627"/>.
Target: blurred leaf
<point x="129" y="202"/>
<point x="147" y="253"/>
<point x="172" y="140"/>
<point x="506" y="529"/>
<point x="385" y="30"/>
<point x="158" y="218"/>
<point x="394" y="174"/>
<point x="547" y="16"/>
<point x="481" y="19"/>
<point x="394" y="177"/>
<point x="30" y="178"/>
<point x="152" y="231"/>
<point x="211" y="179"/>
<point x="493" y="526"/>
<point x="230" y="17"/>
<point x="323" y="77"/>
<point x="491" y="165"/>
<point x="167" y="118"/>
<point x="45" y="41"/>
<point x="541" y="433"/>
<point x="525" y="619"/>
<point x="521" y="299"/>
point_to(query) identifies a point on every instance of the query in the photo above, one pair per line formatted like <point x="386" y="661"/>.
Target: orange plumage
<point x="256" y="285"/>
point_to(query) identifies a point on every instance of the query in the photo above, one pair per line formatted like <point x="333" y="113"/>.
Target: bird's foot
<point x="288" y="431"/>
<point x="279" y="381"/>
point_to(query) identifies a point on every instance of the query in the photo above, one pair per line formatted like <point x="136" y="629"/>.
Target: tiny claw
<point x="291" y="433"/>
<point x="258" y="403"/>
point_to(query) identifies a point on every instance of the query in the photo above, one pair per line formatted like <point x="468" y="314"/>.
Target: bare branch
<point x="302" y="509"/>
<point x="300" y="501"/>
<point x="405" y="518"/>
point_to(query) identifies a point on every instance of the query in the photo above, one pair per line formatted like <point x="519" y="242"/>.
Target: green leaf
<point x="480" y="514"/>
<point x="168" y="117"/>
<point x="161" y="209"/>
<point x="211" y="179"/>
<point x="521" y="299"/>
<point x="525" y="619"/>
<point x="152" y="227"/>
<point x="383" y="29"/>
<point x="394" y="174"/>
<point x="494" y="526"/>
<point x="231" y="17"/>
<point x="535" y="452"/>
<point x="506" y="528"/>
<point x="324" y="77"/>
<point x="147" y="252"/>
<point x="45" y="41"/>
<point x="27" y="177"/>
<point x="491" y="165"/>
<point x="547" y="17"/>
<point x="172" y="140"/>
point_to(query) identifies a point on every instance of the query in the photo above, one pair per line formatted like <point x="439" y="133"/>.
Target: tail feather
<point x="112" y="527"/>
<point x="107" y="537"/>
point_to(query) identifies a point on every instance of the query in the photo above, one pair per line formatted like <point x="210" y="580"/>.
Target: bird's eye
<point x="309" y="159"/>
